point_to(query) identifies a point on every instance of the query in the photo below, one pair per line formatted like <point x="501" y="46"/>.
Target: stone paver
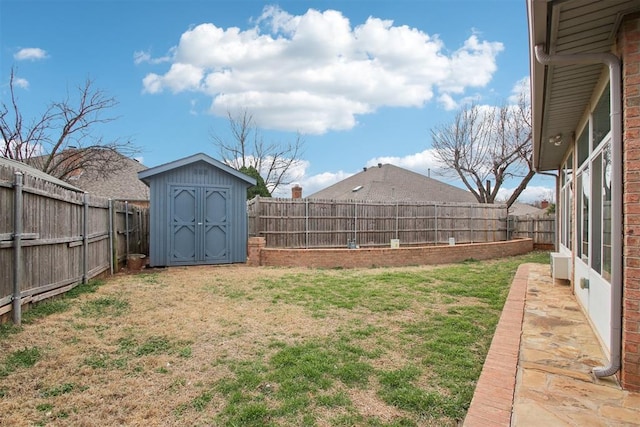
<point x="550" y="383"/>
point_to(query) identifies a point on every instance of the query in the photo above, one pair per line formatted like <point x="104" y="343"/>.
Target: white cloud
<point x="140" y="57"/>
<point x="31" y="54"/>
<point x="447" y="102"/>
<point x="315" y="72"/>
<point x="21" y="83"/>
<point x="314" y="183"/>
<point x="521" y="88"/>
<point x="310" y="184"/>
<point x="423" y="162"/>
<point x="531" y="194"/>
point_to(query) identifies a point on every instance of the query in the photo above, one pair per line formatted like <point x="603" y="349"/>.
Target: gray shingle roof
<point x="520" y="209"/>
<point x="121" y="185"/>
<point x="391" y="183"/>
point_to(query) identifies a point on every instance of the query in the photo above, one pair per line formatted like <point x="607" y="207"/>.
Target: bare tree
<point x="485" y="145"/>
<point x="274" y="161"/>
<point x="61" y="141"/>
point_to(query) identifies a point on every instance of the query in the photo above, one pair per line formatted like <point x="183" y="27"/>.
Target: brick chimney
<point x="544" y="204"/>
<point x="296" y="192"/>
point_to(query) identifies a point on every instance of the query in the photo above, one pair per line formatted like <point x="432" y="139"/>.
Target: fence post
<point x="139" y="232"/>
<point x="126" y="228"/>
<point x="397" y="220"/>
<point x="111" y="245"/>
<point x="355" y="222"/>
<point x="16" y="302"/>
<point x="85" y="239"/>
<point x="435" y="222"/>
<point x="306" y="223"/>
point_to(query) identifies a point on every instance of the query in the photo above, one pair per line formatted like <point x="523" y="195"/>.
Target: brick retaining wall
<point x="382" y="257"/>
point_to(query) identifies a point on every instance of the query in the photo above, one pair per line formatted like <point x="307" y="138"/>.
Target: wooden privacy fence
<point x="53" y="238"/>
<point x="309" y="223"/>
<point x="542" y="229"/>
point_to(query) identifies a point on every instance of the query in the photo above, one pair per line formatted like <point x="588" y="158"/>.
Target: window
<point x="592" y="190"/>
<point x="601" y="122"/>
<point x="584" y="188"/>
<point x="583" y="147"/>
<point x="606" y="211"/>
<point x="596" y="213"/>
<point x="566" y="196"/>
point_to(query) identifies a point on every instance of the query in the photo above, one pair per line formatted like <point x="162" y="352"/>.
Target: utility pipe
<point x="613" y="62"/>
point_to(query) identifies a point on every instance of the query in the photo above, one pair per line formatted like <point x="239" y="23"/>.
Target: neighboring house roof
<point x="26" y="169"/>
<point x="567" y="27"/>
<point x="200" y="157"/>
<point x="522" y="209"/>
<point x="390" y="183"/>
<point x="121" y="185"/>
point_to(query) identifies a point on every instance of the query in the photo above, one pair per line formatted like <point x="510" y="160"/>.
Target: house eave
<point x="560" y="94"/>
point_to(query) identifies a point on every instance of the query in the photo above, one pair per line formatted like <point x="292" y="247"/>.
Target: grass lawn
<point x="240" y="346"/>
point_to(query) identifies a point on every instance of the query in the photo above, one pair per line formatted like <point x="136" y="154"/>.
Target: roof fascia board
<point x="148" y="173"/>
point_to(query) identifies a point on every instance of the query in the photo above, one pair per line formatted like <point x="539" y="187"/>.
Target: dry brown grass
<point x="196" y="307"/>
<point x="95" y="371"/>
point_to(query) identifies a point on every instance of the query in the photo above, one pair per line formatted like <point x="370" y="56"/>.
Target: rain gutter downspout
<point x="613" y="62"/>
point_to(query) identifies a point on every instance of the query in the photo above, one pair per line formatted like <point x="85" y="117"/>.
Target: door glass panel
<point x="579" y="202"/>
<point x="583" y="146"/>
<point x="596" y="213"/>
<point x="601" y="122"/>
<point x="585" y="196"/>
<point x="606" y="212"/>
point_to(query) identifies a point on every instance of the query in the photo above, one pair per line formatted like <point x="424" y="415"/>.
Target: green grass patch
<point x="322" y="291"/>
<point x="153" y="345"/>
<point x="59" y="304"/>
<point x="131" y="347"/>
<point x="44" y="407"/>
<point x="299" y="377"/>
<point x="103" y="307"/>
<point x="59" y="390"/>
<point x="24" y="358"/>
<point x="446" y="344"/>
<point x="7" y="330"/>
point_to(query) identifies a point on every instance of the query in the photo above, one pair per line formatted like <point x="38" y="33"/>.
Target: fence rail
<point x="309" y="223"/>
<point x="53" y="238"/>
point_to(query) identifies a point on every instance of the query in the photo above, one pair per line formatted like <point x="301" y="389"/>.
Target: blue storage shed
<point x="198" y="212"/>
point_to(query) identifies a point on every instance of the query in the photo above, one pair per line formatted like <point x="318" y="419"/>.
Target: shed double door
<point x="199" y="225"/>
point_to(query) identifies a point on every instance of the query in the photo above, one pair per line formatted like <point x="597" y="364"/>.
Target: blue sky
<point x="364" y="81"/>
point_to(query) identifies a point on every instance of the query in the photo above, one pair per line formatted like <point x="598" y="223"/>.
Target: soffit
<point x="561" y="93"/>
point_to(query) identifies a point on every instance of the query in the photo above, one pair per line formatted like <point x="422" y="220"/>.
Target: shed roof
<point x="145" y="175"/>
<point x="24" y="168"/>
<point x="560" y="93"/>
<point x="387" y="182"/>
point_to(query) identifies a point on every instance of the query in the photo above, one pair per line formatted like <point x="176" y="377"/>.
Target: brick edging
<point x="493" y="397"/>
<point x="259" y="255"/>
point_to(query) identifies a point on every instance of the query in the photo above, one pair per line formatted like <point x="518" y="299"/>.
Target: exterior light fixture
<point x="556" y="139"/>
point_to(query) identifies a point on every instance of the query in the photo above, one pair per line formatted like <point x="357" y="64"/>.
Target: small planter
<point x="135" y="262"/>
